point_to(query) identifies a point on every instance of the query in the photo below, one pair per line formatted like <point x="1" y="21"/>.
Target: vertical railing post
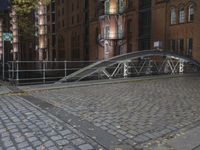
<point x="3" y="69"/>
<point x="65" y="68"/>
<point x="9" y="71"/>
<point x="125" y="69"/>
<point x="12" y="71"/>
<point x="44" y="72"/>
<point x="181" y="66"/>
<point x="17" y="72"/>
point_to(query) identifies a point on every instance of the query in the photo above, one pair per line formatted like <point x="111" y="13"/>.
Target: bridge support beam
<point x="181" y="67"/>
<point x="125" y="69"/>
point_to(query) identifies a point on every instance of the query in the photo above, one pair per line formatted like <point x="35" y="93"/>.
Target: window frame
<point x="181" y="18"/>
<point x="191" y="13"/>
<point x="173" y="16"/>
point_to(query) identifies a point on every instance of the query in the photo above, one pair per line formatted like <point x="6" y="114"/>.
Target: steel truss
<point x="145" y="66"/>
<point x="150" y="62"/>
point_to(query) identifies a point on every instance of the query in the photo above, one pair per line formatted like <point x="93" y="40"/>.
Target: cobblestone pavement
<point x="4" y="89"/>
<point x="24" y="126"/>
<point x="135" y="112"/>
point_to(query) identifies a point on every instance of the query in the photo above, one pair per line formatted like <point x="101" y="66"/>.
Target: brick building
<point x="68" y="29"/>
<point x="99" y="29"/>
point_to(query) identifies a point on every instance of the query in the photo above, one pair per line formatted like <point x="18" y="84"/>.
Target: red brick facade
<point x="79" y="28"/>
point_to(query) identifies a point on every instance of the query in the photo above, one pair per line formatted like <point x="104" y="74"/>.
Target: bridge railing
<point x="132" y="68"/>
<point x="37" y="72"/>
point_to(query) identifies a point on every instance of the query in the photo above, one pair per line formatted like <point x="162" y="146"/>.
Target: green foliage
<point x="27" y="6"/>
<point x="25" y="10"/>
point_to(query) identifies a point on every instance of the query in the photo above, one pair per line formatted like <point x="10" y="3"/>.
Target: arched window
<point x="181" y="15"/>
<point x="173" y="16"/>
<point x="190" y="13"/>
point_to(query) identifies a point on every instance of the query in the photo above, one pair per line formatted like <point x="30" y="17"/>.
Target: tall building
<point x="99" y="29"/>
<point x="68" y="26"/>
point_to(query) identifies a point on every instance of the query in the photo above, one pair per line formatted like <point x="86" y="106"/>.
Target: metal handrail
<point x="32" y="72"/>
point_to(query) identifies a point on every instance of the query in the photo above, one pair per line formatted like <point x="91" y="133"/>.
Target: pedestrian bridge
<point x="148" y="62"/>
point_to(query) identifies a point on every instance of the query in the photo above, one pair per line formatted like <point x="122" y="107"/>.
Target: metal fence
<point x="36" y="72"/>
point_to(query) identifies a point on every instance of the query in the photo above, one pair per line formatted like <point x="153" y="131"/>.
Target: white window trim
<point x="190" y="12"/>
<point x="181" y="15"/>
<point x="173" y="16"/>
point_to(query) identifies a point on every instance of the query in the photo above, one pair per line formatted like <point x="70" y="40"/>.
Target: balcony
<point x="113" y="36"/>
<point x="107" y="9"/>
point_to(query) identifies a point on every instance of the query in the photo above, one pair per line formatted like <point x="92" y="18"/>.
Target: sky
<point x="4" y="4"/>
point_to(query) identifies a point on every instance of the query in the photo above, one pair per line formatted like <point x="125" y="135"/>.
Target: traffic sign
<point x="7" y="37"/>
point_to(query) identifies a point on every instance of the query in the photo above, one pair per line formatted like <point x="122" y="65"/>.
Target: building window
<point x="53" y="17"/>
<point x="173" y="16"/>
<point x="145" y="4"/>
<point x="181" y="15"/>
<point x="173" y="45"/>
<point x="190" y="47"/>
<point x="130" y="3"/>
<point x="120" y="31"/>
<point x="53" y="8"/>
<point x="181" y="46"/>
<point x="121" y="6"/>
<point x="107" y="32"/>
<point x="107" y="7"/>
<point x="190" y="13"/>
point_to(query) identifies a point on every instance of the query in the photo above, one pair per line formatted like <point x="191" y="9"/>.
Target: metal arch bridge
<point x="136" y="64"/>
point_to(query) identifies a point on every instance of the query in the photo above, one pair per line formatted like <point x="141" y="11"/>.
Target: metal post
<point x="13" y="73"/>
<point x="17" y="70"/>
<point x="44" y="75"/>
<point x="125" y="69"/>
<point x="65" y="68"/>
<point x="3" y="72"/>
<point x="181" y="67"/>
<point x="9" y="71"/>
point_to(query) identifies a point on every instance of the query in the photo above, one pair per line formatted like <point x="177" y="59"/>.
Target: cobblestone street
<point x="24" y="126"/>
<point x="4" y="90"/>
<point x="135" y="114"/>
